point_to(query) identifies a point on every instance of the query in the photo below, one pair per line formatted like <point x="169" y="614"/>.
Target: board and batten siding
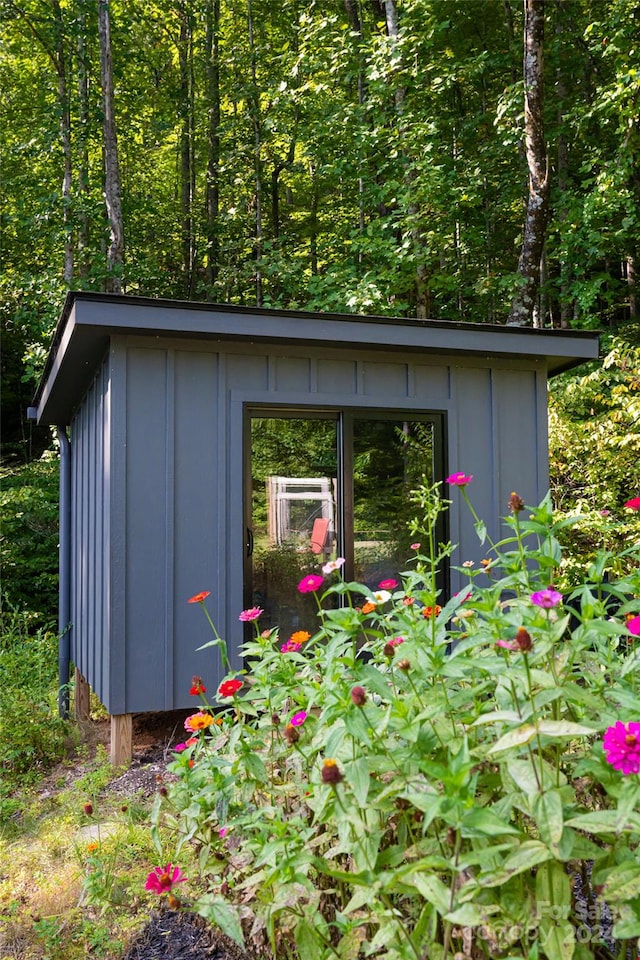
<point x="90" y="535"/>
<point x="158" y="490"/>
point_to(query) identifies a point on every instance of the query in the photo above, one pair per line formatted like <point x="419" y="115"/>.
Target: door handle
<point x="249" y="542"/>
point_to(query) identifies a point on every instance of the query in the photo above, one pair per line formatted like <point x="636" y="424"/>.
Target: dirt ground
<point x="169" y="934"/>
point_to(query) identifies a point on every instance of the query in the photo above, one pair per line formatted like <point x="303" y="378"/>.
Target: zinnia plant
<point x="460" y="761"/>
<point x="163" y="879"/>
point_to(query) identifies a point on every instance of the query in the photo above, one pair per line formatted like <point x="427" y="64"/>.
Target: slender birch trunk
<point x="112" y="191"/>
<point x="535" y="225"/>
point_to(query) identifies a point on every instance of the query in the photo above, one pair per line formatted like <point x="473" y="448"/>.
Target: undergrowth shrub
<point x="425" y="776"/>
<point x="32" y="735"/>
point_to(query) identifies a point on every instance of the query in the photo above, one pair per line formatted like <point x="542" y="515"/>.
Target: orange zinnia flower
<point x="198" y="721"/>
<point x="431" y="611"/>
<point x="300" y="636"/>
<point x="368" y="607"/>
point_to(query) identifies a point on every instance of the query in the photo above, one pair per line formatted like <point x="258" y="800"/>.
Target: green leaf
<point x="466" y="915"/>
<point x="527" y="855"/>
<point x="224" y="915"/>
<point x="605" y="821"/>
<point x="547" y="809"/>
<point x="480" y="821"/>
<point x="431" y="888"/>
<point x="308" y="942"/>
<point x="359" y="778"/>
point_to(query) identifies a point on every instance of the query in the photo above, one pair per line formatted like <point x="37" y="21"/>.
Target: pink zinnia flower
<point x="298" y="718"/>
<point x="622" y="747"/>
<point x="310" y="584"/>
<point x="162" y="879"/>
<point x="633" y="626"/>
<point x="507" y="644"/>
<point x="546" y="598"/>
<point x="387" y="585"/>
<point x="415" y="546"/>
<point x="253" y="613"/>
<point x="459" y="479"/>
<point x="633" y="504"/>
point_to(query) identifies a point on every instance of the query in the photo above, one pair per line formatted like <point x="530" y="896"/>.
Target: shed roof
<point x="88" y="320"/>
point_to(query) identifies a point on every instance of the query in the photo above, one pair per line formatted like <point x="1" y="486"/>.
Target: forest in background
<point x="368" y="156"/>
<point x="371" y="156"/>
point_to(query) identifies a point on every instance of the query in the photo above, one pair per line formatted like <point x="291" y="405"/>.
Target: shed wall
<point x="90" y="535"/>
<point x="175" y="524"/>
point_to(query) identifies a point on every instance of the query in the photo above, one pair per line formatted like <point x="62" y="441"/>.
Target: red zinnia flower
<point x="162" y="879"/>
<point x="197" y="687"/>
<point x="199" y="597"/>
<point x="633" y="504"/>
<point x="229" y="687"/>
<point x="622" y="747"/>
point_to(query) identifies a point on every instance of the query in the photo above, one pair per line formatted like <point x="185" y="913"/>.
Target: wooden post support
<point x="81" y="696"/>
<point x="121" y="739"/>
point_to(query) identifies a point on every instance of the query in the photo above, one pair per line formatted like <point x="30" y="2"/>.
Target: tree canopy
<point x="341" y="155"/>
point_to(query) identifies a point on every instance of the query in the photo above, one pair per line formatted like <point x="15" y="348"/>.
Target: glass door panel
<point x="293" y="520"/>
<point x="390" y="459"/>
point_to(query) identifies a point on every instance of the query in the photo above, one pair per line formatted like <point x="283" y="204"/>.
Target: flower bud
<point x="404" y="665"/>
<point x="88" y="809"/>
<point x="275" y="719"/>
<point x="359" y="696"/>
<point x="523" y="640"/>
<point x="291" y="734"/>
<point x="516" y="503"/>
<point x="331" y="772"/>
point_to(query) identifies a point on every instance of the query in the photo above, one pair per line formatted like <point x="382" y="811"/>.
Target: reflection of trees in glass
<point x="390" y="460"/>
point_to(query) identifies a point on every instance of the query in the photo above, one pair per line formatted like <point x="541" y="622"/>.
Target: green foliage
<point x="33" y="735"/>
<point x="29" y="537"/>
<point x="421" y="781"/>
<point x="594" y="444"/>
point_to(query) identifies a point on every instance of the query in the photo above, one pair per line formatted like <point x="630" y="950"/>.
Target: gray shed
<point x="232" y="450"/>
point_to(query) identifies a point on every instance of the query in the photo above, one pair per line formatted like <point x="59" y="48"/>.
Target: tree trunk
<point x="213" y="157"/>
<point x="83" y="143"/>
<point x="535" y="225"/>
<point x="112" y="192"/>
<point x="65" y="139"/>
<point x="257" y="150"/>
<point x="186" y="148"/>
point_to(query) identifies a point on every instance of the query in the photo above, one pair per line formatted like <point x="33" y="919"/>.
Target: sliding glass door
<point x="321" y="484"/>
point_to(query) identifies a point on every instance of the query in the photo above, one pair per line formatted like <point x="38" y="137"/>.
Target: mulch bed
<point x="181" y="935"/>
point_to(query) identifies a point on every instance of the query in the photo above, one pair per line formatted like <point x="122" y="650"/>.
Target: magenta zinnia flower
<point x="387" y="585"/>
<point x="298" y="718"/>
<point x="310" y="584"/>
<point x="546" y="598"/>
<point x="622" y="747"/>
<point x="253" y="613"/>
<point x="459" y="479"/>
<point x="290" y="646"/>
<point x="633" y="504"/>
<point x="162" y="879"/>
<point x="633" y="626"/>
